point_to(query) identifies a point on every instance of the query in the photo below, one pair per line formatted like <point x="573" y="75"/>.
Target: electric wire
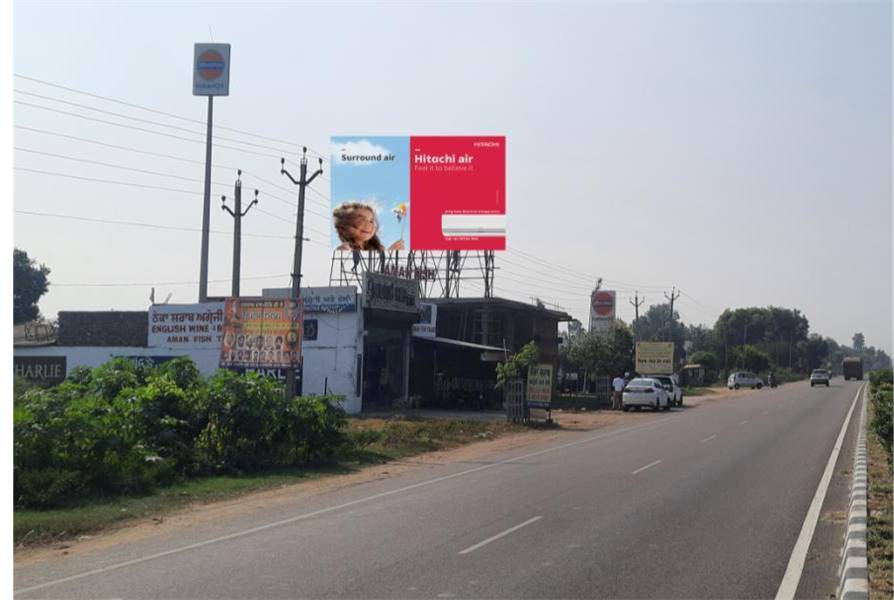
<point x="167" y="114"/>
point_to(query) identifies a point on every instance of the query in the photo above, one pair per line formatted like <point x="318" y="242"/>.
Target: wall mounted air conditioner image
<point x="476" y="225"/>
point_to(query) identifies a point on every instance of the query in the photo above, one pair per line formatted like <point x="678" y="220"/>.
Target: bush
<point x="67" y="443"/>
<point x="882" y="392"/>
<point x="124" y="428"/>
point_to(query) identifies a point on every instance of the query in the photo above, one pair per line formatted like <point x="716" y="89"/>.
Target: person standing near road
<point x="618" y="384"/>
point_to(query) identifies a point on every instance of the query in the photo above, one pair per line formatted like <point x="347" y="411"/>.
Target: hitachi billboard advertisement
<point x="419" y="193"/>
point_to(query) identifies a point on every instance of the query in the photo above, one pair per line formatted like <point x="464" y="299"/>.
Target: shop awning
<point x="470" y="345"/>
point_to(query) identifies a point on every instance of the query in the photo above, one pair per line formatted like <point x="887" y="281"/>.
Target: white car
<point x="673" y="388"/>
<point x="645" y="392"/>
<point x="744" y="379"/>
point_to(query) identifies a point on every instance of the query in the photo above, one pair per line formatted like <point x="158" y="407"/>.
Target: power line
<point x="157" y="283"/>
<point x="144" y="130"/>
<point x="140" y="185"/>
<point x="142" y="224"/>
<point x="167" y="114"/>
<point x="179" y="158"/>
<point x="139" y="120"/>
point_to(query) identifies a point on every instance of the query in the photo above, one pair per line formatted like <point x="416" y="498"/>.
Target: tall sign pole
<point x="210" y="77"/>
<point x="302" y="183"/>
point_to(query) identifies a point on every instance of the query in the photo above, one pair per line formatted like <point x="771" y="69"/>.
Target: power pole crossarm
<point x="675" y="293"/>
<point x="636" y="302"/>
<point x="237" y="215"/>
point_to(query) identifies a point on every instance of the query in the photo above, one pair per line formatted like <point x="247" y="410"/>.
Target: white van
<point x="744" y="379"/>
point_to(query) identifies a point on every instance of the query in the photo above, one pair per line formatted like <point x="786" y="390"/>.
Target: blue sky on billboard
<point x="359" y="176"/>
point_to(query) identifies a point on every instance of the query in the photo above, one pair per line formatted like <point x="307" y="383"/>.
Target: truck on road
<point x="852" y="366"/>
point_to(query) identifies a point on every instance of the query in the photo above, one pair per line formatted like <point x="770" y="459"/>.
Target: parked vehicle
<point x="744" y="379"/>
<point x="852" y="366"/>
<point x="645" y="392"/>
<point x="673" y="388"/>
<point x="819" y="377"/>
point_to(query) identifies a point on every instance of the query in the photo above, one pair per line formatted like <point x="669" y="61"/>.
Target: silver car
<point x="742" y="379"/>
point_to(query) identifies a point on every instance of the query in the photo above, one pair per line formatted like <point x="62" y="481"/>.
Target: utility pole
<point x="302" y="183"/>
<point x="237" y="227"/>
<point x="673" y="296"/>
<point x="593" y="299"/>
<point x="636" y="302"/>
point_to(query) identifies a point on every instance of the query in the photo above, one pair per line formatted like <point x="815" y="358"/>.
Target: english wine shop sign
<point x="186" y="326"/>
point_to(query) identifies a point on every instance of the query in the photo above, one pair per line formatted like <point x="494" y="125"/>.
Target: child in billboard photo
<point x="357" y="228"/>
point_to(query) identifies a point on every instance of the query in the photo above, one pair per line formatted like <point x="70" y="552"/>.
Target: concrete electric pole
<point x="302" y="183"/>
<point x="237" y="228"/>
<point x="636" y="302"/>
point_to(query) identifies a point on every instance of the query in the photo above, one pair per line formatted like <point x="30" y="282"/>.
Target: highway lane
<point x="695" y="503"/>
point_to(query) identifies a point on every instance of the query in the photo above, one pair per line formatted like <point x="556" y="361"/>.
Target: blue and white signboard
<point x="320" y="299"/>
<point x="211" y="70"/>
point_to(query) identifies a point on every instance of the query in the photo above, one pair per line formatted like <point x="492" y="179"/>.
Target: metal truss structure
<point x="441" y="274"/>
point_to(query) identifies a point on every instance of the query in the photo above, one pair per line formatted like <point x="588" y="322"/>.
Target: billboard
<point x="418" y="192"/>
<point x="654" y="358"/>
<point x="211" y="70"/>
<point x="261" y="333"/>
<point x="540" y="386"/>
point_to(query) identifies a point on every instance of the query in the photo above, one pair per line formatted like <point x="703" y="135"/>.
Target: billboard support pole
<point x="302" y="183"/>
<point x="206" y="208"/>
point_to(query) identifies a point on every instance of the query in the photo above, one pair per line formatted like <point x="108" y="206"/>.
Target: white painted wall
<point x="333" y="355"/>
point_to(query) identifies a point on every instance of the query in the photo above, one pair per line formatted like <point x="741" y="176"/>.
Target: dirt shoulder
<point x="571" y="423"/>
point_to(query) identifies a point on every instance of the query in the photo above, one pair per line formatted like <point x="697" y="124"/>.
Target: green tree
<point x="608" y="355"/>
<point x="656" y="325"/>
<point x="704" y="358"/>
<point x="859" y="341"/>
<point x="753" y="359"/>
<point x="29" y="283"/>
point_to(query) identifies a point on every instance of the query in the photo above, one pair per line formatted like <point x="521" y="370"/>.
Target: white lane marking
<point x="329" y="509"/>
<point x="648" y="466"/>
<point x="500" y="535"/>
<point x="743" y="422"/>
<point x="792" y="576"/>
<point x="766" y="412"/>
<point x="709" y="438"/>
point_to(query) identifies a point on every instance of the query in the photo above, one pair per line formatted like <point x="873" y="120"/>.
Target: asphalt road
<point x="702" y="502"/>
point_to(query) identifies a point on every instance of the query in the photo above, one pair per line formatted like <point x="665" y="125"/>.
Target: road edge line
<point x="789" y="585"/>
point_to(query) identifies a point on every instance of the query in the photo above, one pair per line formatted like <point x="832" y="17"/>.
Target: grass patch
<point x="580" y="401"/>
<point x="698" y="391"/>
<point x="371" y="441"/>
<point x="880" y="530"/>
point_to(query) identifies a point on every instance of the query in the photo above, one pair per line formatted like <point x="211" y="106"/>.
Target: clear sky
<point x="741" y="152"/>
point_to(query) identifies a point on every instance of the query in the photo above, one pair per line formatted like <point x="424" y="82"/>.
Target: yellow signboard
<point x="654" y="358"/>
<point x="540" y="386"/>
